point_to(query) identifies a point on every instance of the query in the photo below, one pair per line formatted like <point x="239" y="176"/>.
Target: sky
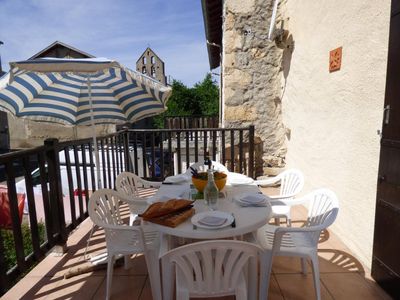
<point x="118" y="29"/>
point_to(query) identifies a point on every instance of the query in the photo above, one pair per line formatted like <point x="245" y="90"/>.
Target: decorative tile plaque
<point x="335" y="59"/>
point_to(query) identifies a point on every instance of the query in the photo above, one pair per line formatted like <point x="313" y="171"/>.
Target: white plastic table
<point x="247" y="219"/>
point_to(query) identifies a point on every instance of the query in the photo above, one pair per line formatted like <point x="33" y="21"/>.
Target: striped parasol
<point x="57" y="90"/>
<point x="85" y="91"/>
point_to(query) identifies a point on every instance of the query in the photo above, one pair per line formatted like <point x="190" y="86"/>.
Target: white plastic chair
<point x="301" y="242"/>
<point x="128" y="184"/>
<point x="292" y="182"/>
<point x="104" y="211"/>
<point x="211" y="269"/>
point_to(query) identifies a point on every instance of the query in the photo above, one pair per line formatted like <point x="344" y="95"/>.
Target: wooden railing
<point x="172" y="151"/>
<point x="58" y="178"/>
<point x="190" y="122"/>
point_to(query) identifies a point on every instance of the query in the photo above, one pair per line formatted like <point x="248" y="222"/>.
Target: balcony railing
<point x="56" y="180"/>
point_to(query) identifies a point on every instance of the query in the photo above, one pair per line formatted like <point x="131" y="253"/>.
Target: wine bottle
<point x="211" y="191"/>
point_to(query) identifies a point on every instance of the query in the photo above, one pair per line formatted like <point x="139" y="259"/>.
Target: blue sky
<point x="118" y="29"/>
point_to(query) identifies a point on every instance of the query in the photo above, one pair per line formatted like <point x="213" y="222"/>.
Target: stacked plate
<point x="239" y="179"/>
<point x="212" y="219"/>
<point x="252" y="199"/>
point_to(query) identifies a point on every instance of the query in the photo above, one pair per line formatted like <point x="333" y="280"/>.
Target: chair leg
<point x="153" y="268"/>
<point x="127" y="262"/>
<point x="288" y="219"/>
<point x="265" y="273"/>
<point x="315" y="267"/>
<point x="167" y="280"/>
<point x="304" y="265"/>
<point x="277" y="221"/>
<point x="110" y="271"/>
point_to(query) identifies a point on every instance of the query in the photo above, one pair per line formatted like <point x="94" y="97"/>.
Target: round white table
<point x="247" y="219"/>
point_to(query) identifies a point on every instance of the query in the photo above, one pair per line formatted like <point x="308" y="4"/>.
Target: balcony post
<point x="126" y="150"/>
<point x="56" y="195"/>
<point x="251" y="151"/>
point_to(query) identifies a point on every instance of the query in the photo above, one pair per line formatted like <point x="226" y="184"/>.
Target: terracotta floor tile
<point x="274" y="291"/>
<point x="287" y="265"/>
<point x="137" y="267"/>
<point x="352" y="286"/>
<point x="80" y="287"/>
<point x="338" y="269"/>
<point x="41" y="289"/>
<point x="146" y="292"/>
<point x="122" y="286"/>
<point x="338" y="261"/>
<point x="299" y="287"/>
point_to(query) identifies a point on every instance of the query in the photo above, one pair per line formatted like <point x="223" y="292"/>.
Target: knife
<point x="234" y="221"/>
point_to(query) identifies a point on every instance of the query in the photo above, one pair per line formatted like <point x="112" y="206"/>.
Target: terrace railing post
<point x="56" y="195"/>
<point x="4" y="282"/>
<point x="126" y="150"/>
<point x="251" y="151"/>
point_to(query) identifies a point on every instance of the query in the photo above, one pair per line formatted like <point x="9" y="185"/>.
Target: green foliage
<point x="202" y="99"/>
<point x="8" y="242"/>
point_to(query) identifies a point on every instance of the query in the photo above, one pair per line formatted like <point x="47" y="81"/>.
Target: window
<point x="153" y="72"/>
<point x="144" y="59"/>
<point x="153" y="60"/>
<point x="144" y="70"/>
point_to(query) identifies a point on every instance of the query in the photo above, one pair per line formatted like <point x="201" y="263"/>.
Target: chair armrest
<point x="288" y="200"/>
<point x="267" y="182"/>
<point x="147" y="183"/>
<point x="284" y="230"/>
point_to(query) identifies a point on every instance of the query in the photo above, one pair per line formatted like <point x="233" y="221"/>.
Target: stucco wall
<point x="26" y="133"/>
<point x="333" y="118"/>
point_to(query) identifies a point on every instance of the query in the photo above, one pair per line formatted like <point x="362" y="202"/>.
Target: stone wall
<point x="251" y="83"/>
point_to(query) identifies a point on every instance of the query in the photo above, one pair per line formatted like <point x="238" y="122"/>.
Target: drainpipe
<point x="1" y="69"/>
<point x="273" y="19"/>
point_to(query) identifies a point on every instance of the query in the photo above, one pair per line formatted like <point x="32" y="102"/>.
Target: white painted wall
<point x="334" y="117"/>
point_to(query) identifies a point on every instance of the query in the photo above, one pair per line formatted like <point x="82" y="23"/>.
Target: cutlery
<point x="234" y="221"/>
<point x="194" y="227"/>
<point x="166" y="182"/>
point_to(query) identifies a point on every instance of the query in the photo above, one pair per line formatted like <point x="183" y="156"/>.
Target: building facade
<point x="21" y="133"/>
<point x="151" y="65"/>
<point x="307" y="117"/>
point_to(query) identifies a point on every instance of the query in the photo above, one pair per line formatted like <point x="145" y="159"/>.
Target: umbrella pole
<point x="96" y="150"/>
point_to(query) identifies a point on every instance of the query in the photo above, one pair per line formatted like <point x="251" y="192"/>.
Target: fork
<point x="194" y="227"/>
<point x="234" y="221"/>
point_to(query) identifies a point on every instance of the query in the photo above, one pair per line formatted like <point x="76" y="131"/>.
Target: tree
<point x="202" y="99"/>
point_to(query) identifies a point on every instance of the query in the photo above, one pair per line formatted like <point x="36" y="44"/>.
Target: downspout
<point x="273" y="19"/>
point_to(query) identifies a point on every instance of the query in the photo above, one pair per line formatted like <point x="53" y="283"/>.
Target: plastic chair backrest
<point x="212" y="267"/>
<point x="126" y="183"/>
<point x="104" y="211"/>
<point x="323" y="208"/>
<point x="292" y="182"/>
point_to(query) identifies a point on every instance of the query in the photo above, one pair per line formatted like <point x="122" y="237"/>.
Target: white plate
<point x="220" y="214"/>
<point x="239" y="179"/>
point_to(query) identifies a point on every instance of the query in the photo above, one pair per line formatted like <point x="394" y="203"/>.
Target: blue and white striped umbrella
<point x="57" y="90"/>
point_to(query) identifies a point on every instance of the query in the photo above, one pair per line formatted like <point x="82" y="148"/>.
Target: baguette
<point x="174" y="219"/>
<point x="160" y="209"/>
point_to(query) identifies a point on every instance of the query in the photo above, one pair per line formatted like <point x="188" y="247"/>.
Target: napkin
<point x="176" y="179"/>
<point x="253" y="200"/>
<point x="212" y="221"/>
